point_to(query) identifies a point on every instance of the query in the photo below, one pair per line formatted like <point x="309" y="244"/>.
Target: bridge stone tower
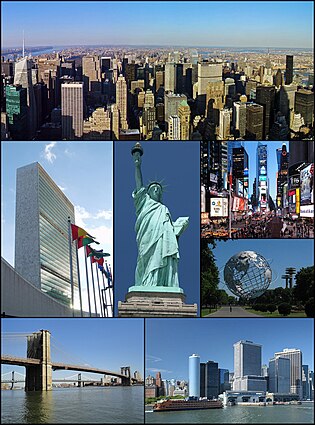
<point x="125" y="370"/>
<point x="39" y="377"/>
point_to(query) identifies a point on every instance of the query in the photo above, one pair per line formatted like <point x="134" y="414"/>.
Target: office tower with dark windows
<point x="282" y="175"/>
<point x="305" y="382"/>
<point x="72" y="110"/>
<point x="295" y="356"/>
<point x="254" y="121"/>
<point x="41" y="233"/>
<point x="240" y="171"/>
<point x="289" y="69"/>
<point x="224" y="382"/>
<point x="265" y="96"/>
<point x="209" y="380"/>
<point x="16" y="109"/>
<point x="279" y="375"/>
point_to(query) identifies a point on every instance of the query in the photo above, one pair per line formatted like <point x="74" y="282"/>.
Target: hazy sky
<point x="170" y="342"/>
<point x="83" y="171"/>
<point x="232" y="23"/>
<point x="94" y="342"/>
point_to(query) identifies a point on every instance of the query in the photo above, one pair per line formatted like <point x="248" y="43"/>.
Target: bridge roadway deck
<point x="20" y="361"/>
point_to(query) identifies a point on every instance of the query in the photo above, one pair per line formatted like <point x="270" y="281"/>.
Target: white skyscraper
<point x="121" y="101"/>
<point x="174" y="127"/>
<point x="72" y="110"/>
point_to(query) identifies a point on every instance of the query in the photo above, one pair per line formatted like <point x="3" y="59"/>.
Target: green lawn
<point x="206" y="311"/>
<point x="300" y="313"/>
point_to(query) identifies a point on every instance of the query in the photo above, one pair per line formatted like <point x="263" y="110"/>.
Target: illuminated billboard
<point x="219" y="207"/>
<point x="307" y="190"/>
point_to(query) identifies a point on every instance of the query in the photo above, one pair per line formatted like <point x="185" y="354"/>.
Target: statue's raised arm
<point x="137" y="152"/>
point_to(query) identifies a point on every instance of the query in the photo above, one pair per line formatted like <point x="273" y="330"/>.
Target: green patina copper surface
<point x="157" y="236"/>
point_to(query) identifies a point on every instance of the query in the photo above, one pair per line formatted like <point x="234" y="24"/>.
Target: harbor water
<point x="74" y="405"/>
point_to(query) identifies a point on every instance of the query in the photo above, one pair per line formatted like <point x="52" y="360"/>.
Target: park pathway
<point x="236" y="312"/>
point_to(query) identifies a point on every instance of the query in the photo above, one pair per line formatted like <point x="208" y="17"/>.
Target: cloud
<point x="48" y="154"/>
<point x="62" y="188"/>
<point x="69" y="153"/>
<point x="80" y="215"/>
<point x="104" y="214"/>
<point x="158" y="370"/>
<point x="153" y="359"/>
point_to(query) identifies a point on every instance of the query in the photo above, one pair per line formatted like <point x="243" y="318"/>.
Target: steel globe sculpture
<point x="247" y="274"/>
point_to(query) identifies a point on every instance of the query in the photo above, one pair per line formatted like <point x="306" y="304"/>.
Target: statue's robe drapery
<point x="158" y="254"/>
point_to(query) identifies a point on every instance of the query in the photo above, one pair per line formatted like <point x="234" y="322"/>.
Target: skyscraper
<point x="289" y="69"/>
<point x="184" y="117"/>
<point x="254" y="121"/>
<point x="174" y="127"/>
<point x="265" y="96"/>
<point x="305" y="382"/>
<point x="72" y="110"/>
<point x="239" y="118"/>
<point x="209" y="380"/>
<point x="16" y="109"/>
<point x="170" y="76"/>
<point x="121" y="101"/>
<point x="194" y="375"/>
<point x="304" y="105"/>
<point x="262" y="186"/>
<point x="295" y="357"/>
<point x="41" y="233"/>
<point x="279" y="375"/>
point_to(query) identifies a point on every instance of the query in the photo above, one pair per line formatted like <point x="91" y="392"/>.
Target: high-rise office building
<point x="98" y="125"/>
<point x="247" y="367"/>
<point x="207" y="73"/>
<point x="209" y="380"/>
<point x="283" y="165"/>
<point x="194" y="375"/>
<point x="41" y="233"/>
<point x="91" y="70"/>
<point x="305" y="382"/>
<point x="172" y="103"/>
<point x="174" y="128"/>
<point x="23" y="76"/>
<point x="239" y="118"/>
<point x="16" y="109"/>
<point x="289" y="69"/>
<point x="240" y="171"/>
<point x="225" y="119"/>
<point x="170" y="76"/>
<point x="304" y="105"/>
<point x="295" y="356"/>
<point x="159" y="80"/>
<point x="224" y="381"/>
<point x="121" y="101"/>
<point x="184" y="117"/>
<point x="279" y="375"/>
<point x="254" y="121"/>
<point x="72" y="110"/>
<point x="265" y="96"/>
<point x="214" y="100"/>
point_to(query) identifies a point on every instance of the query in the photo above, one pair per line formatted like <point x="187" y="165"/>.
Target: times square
<point x="257" y="189"/>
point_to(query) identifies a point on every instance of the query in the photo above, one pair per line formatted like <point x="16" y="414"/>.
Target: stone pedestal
<point x="156" y="304"/>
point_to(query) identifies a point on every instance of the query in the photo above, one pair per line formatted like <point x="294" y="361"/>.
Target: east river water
<point x="303" y="413"/>
<point x="74" y="405"/>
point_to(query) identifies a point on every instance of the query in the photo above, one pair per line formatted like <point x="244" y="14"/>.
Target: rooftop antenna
<point x="23" y="50"/>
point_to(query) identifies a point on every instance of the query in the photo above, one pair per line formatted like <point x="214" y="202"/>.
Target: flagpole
<point x="110" y="289"/>
<point x="71" y="265"/>
<point x="105" y="296"/>
<point x="93" y="285"/>
<point x="99" y="289"/>
<point x="79" y="281"/>
<point x="87" y="282"/>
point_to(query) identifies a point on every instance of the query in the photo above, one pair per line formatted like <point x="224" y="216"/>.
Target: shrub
<point x="309" y="308"/>
<point x="271" y="308"/>
<point x="284" y="309"/>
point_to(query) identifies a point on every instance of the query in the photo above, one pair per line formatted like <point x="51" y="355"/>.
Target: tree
<point x="304" y="284"/>
<point x="309" y="308"/>
<point x="209" y="274"/>
<point x="271" y="308"/>
<point x="284" y="309"/>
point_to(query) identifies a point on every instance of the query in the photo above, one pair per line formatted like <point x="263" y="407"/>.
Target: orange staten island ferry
<point x="188" y="404"/>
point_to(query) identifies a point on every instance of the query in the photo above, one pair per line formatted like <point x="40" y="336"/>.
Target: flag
<point x="85" y="240"/>
<point x="99" y="261"/>
<point x="97" y="253"/>
<point x="107" y="272"/>
<point x="77" y="232"/>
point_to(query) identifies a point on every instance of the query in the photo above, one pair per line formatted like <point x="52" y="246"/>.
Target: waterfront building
<point x="224" y="381"/>
<point x="72" y="110"/>
<point x="209" y="380"/>
<point x="247" y="366"/>
<point x="305" y="382"/>
<point x="194" y="375"/>
<point x="295" y="356"/>
<point x="41" y="233"/>
<point x="279" y="375"/>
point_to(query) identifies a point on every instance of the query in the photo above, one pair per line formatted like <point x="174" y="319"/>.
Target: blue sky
<point x="234" y="24"/>
<point x="96" y="342"/>
<point x="170" y="342"/>
<point x="280" y="254"/>
<point x="178" y="164"/>
<point x="82" y="170"/>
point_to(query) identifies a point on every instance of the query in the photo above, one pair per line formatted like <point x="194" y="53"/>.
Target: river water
<point x="74" y="405"/>
<point x="303" y="413"/>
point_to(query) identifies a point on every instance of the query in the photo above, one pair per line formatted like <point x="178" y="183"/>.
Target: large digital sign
<point x="219" y="207"/>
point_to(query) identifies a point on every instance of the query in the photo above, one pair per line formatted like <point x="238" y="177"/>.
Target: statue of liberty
<point x="157" y="236"/>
